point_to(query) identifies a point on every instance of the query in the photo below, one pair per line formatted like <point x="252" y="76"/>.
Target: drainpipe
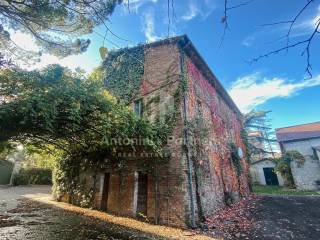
<point x="186" y="138"/>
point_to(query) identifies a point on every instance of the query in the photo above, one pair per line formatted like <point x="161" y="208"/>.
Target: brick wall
<point x="213" y="174"/>
<point x="216" y="173"/>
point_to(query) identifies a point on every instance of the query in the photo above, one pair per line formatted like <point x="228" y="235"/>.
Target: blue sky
<point x="277" y="83"/>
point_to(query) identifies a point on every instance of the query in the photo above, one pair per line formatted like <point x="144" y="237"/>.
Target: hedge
<point x="27" y="176"/>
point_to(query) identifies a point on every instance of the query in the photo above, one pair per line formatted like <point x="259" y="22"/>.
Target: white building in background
<point x="262" y="168"/>
<point x="263" y="173"/>
<point x="305" y="139"/>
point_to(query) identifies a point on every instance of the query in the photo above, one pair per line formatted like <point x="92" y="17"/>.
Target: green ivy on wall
<point x="235" y="158"/>
<point x="283" y="165"/>
<point x="123" y="70"/>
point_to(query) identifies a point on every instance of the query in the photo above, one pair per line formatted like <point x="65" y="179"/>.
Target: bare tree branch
<point x="307" y="42"/>
<point x="306" y="50"/>
<point x="224" y="19"/>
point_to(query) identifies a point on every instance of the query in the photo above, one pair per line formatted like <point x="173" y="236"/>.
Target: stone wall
<point x="306" y="175"/>
<point x="257" y="174"/>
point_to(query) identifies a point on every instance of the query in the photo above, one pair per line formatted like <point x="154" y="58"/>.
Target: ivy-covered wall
<point x="123" y="71"/>
<point x="158" y="83"/>
<point x="164" y="78"/>
<point x="220" y="174"/>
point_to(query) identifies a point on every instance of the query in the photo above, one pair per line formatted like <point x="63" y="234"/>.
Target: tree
<point x="260" y="143"/>
<point x="57" y="108"/>
<point x="54" y="25"/>
<point x="4" y="62"/>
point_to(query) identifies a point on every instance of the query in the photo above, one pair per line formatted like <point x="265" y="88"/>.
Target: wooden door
<point x="270" y="176"/>
<point x="142" y="194"/>
<point x="105" y="192"/>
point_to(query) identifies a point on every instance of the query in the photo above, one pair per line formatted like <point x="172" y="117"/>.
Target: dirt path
<point x="30" y="213"/>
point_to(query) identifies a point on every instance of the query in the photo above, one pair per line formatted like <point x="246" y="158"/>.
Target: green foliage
<point x="248" y="146"/>
<point x="123" y="71"/>
<point x="278" y="190"/>
<point x="155" y="99"/>
<point x="54" y="25"/>
<point x="33" y="176"/>
<point x="235" y="158"/>
<point x="45" y="157"/>
<point x="284" y="169"/>
<point x="293" y="155"/>
<point x="284" y="162"/>
<point x="79" y="117"/>
<point x="5" y="62"/>
<point x="5" y="149"/>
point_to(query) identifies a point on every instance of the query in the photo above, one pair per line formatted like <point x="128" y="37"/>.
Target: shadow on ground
<point x="33" y="220"/>
<point x="30" y="213"/>
<point x="268" y="217"/>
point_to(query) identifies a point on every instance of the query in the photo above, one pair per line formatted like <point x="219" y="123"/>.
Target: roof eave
<point x="193" y="53"/>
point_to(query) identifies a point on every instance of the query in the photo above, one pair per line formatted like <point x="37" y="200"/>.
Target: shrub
<point x="33" y="176"/>
<point x="284" y="168"/>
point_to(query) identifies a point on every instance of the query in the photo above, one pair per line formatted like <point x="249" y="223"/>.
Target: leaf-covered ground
<point x="35" y="216"/>
<point x="29" y="213"/>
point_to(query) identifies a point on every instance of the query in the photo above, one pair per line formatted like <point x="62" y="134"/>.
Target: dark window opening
<point x="105" y="192"/>
<point x="270" y="176"/>
<point x="138" y="107"/>
<point x="142" y="195"/>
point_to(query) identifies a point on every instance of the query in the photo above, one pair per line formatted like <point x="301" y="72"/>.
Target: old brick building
<point x="200" y="176"/>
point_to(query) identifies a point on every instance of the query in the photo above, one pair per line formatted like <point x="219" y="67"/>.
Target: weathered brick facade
<point x="199" y="178"/>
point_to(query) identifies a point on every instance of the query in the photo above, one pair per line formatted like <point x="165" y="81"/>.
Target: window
<point x="138" y="107"/>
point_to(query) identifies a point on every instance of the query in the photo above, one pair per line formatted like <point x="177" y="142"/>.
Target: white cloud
<point x="26" y="42"/>
<point x="315" y="20"/>
<point x="248" y="41"/>
<point x="192" y="12"/>
<point x="134" y="5"/>
<point x="306" y="26"/>
<point x="148" y="26"/>
<point x="198" y="8"/>
<point x="72" y="62"/>
<point x="252" y="90"/>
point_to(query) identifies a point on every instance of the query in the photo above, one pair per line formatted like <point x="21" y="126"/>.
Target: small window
<point x="138" y="107"/>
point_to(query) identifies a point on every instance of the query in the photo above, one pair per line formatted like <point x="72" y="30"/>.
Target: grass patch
<point x="277" y="190"/>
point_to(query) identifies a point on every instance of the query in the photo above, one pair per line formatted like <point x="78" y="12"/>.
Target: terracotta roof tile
<point x="304" y="131"/>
